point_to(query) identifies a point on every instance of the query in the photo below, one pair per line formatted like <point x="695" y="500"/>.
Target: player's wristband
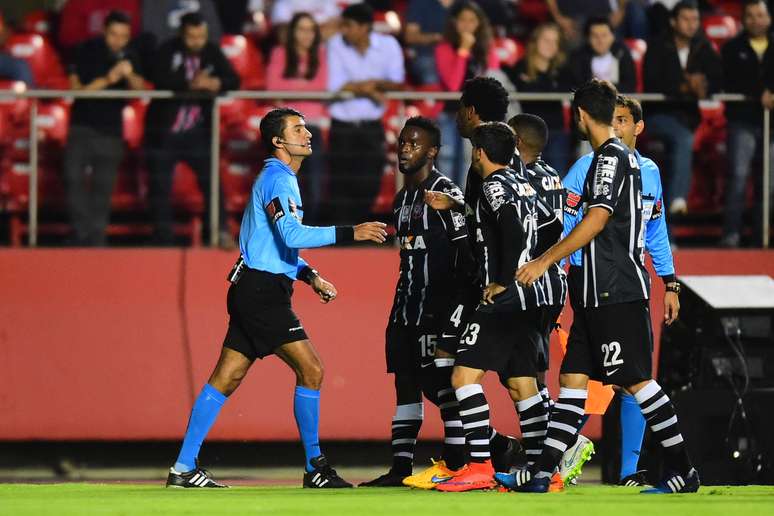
<point x="307" y="275"/>
<point x="669" y="278"/>
<point x="345" y="234"/>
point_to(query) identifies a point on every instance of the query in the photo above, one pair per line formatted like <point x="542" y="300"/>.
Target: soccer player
<point x="611" y="335"/>
<point x="262" y="321"/>
<point x="434" y="257"/>
<point x="628" y="124"/>
<point x="503" y="334"/>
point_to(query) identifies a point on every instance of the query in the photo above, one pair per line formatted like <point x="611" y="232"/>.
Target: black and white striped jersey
<point x="613" y="262"/>
<point x="504" y="230"/>
<point x="550" y="191"/>
<point x="428" y="242"/>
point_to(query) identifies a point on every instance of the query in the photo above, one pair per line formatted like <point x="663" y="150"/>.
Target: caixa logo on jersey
<point x="410" y="242"/>
<point x="550" y="183"/>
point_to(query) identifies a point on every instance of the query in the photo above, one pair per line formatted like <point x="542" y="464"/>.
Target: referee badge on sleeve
<point x="275" y="210"/>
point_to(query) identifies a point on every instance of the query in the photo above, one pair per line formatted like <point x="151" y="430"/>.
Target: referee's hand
<point x="324" y="289"/>
<point x="373" y="231"/>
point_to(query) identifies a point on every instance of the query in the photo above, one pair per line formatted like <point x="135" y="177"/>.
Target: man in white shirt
<point x="365" y="64"/>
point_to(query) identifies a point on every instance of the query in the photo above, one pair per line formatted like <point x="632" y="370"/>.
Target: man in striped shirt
<point x="611" y="337"/>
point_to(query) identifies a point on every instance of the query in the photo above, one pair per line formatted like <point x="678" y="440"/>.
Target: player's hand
<point x="530" y="272"/>
<point x="490" y="292"/>
<point x="671" y="307"/>
<point x="373" y="231"/>
<point x="324" y="289"/>
<point x="440" y="201"/>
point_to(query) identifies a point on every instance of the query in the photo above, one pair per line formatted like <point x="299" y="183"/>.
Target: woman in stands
<point x="301" y="65"/>
<point x="466" y="51"/>
<point x="543" y="70"/>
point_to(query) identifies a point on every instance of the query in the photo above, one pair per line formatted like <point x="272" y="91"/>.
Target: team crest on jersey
<point x="604" y="176"/>
<point x="495" y="194"/>
<point x="405" y="213"/>
<point x="418" y="210"/>
<point x="458" y="220"/>
<point x="410" y="242"/>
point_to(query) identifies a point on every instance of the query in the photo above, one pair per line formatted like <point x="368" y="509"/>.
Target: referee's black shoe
<point x="199" y="477"/>
<point x="637" y="479"/>
<point x="323" y="475"/>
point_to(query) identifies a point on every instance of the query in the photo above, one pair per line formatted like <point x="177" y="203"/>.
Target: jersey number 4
<point x="612" y="351"/>
<point x="456" y="316"/>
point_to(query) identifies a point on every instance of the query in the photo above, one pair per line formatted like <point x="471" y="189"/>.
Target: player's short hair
<point x="531" y="129"/>
<point x="487" y="96"/>
<point x="273" y="124"/>
<point x="427" y="125"/>
<point x="192" y="19"/>
<point x="597" y="98"/>
<point x="751" y="3"/>
<point x="597" y="20"/>
<point x="683" y="5"/>
<point x="632" y="104"/>
<point x="361" y="13"/>
<point x="116" y="17"/>
<point x="497" y="140"/>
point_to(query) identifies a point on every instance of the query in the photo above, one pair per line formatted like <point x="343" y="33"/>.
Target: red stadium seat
<point x="720" y="28"/>
<point x="509" y="51"/>
<point x="37" y="22"/>
<point x="42" y="58"/>
<point x="246" y="60"/>
<point x="709" y="167"/>
<point x="637" y="48"/>
<point x="236" y="179"/>
<point x="134" y="123"/>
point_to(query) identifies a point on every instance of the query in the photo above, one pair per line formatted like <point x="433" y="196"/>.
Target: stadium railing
<point x="270" y="96"/>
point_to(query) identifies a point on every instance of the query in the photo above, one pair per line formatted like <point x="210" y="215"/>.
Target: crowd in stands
<point x="146" y="156"/>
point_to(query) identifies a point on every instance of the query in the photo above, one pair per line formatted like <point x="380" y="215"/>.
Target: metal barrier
<point x="268" y="96"/>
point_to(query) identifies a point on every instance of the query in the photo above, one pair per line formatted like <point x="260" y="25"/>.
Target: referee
<point x="262" y="321"/>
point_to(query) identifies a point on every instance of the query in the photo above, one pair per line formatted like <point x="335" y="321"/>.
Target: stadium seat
<point x="709" y="168"/>
<point x="42" y="58"/>
<point x="37" y="22"/>
<point x="509" y="51"/>
<point x="236" y="179"/>
<point x="134" y="123"/>
<point x="246" y="60"/>
<point x="637" y="48"/>
<point x="720" y="28"/>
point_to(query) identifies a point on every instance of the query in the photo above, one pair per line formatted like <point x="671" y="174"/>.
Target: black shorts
<point x="505" y="342"/>
<point x="612" y="343"/>
<point x="409" y="349"/>
<point x="261" y="319"/>
<point x="548" y="323"/>
<point x="460" y="312"/>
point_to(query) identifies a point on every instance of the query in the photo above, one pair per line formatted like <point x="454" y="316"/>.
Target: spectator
<point x="301" y="64"/>
<point x="95" y="136"/>
<point x="465" y="52"/>
<point x="748" y="61"/>
<point x="81" y="20"/>
<point x="627" y="17"/>
<point x="179" y="130"/>
<point x="12" y="68"/>
<point x="683" y="66"/>
<point x="603" y="57"/>
<point x="425" y="21"/>
<point x="161" y="19"/>
<point x="324" y="12"/>
<point x="366" y="64"/>
<point x="543" y="70"/>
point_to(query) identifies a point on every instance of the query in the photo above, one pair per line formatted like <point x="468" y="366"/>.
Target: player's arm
<point x="657" y="245"/>
<point x="511" y="240"/>
<point x="549" y="226"/>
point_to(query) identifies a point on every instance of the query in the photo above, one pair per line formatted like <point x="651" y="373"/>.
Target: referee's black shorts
<point x="611" y="343"/>
<point x="261" y="318"/>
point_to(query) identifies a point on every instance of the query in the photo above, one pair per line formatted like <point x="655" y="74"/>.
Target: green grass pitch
<point x="131" y="499"/>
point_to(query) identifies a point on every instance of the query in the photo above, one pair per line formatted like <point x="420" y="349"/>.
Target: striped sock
<point x="474" y="412"/>
<point x="405" y="428"/>
<point x="547" y="401"/>
<point x="563" y="424"/>
<point x="662" y="421"/>
<point x="533" y="420"/>
<point x="453" y="434"/>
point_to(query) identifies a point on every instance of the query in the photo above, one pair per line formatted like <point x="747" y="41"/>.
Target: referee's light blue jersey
<point x="656" y="237"/>
<point x="272" y="232"/>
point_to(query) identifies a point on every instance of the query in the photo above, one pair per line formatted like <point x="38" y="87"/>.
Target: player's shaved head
<point x="531" y="131"/>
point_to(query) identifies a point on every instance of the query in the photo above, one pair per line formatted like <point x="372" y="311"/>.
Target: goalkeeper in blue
<point x="262" y="321"/>
<point x="628" y="124"/>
